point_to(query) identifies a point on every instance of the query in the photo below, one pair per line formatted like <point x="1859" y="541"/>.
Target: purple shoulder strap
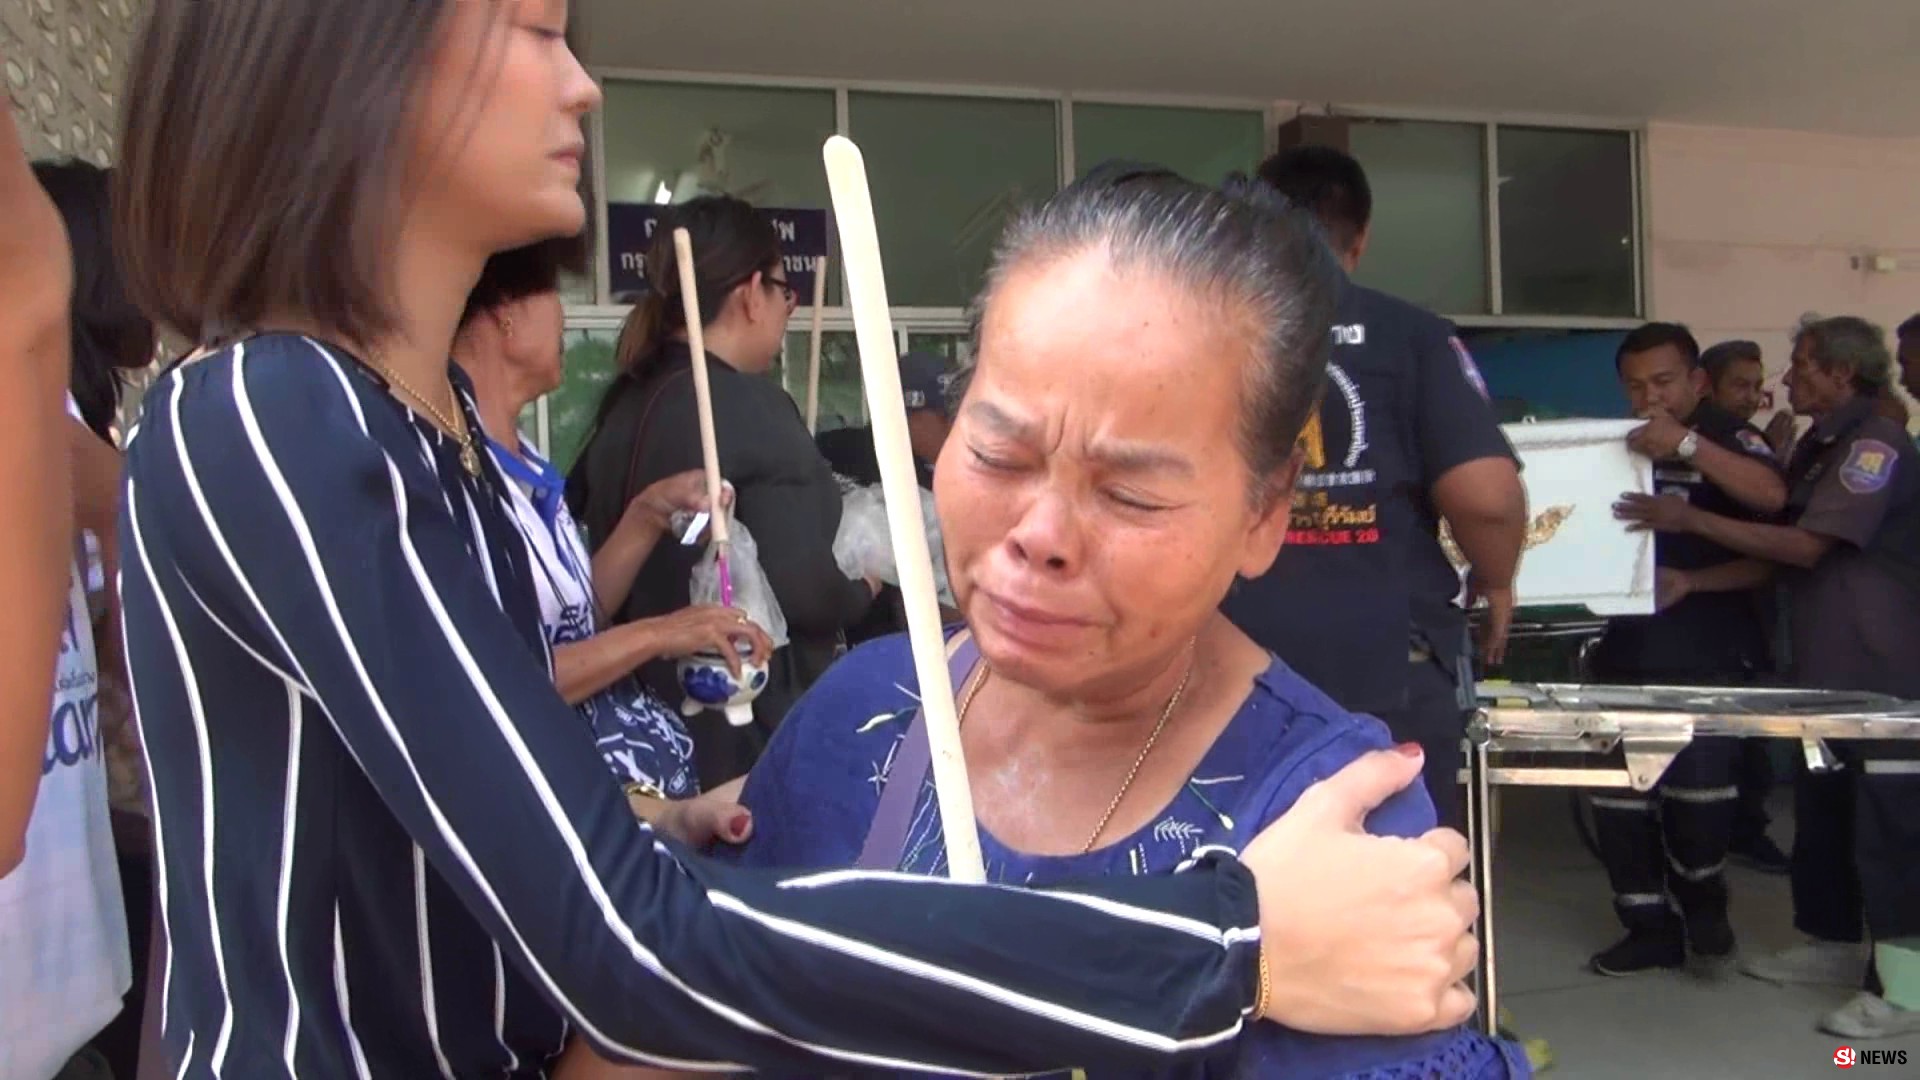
<point x="887" y="836"/>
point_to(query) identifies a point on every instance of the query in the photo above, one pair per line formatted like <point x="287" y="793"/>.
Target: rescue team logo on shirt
<point x="1754" y="443"/>
<point x="1868" y="467"/>
<point x="1320" y="519"/>
<point x="1468" y="368"/>
<point x="1313" y="438"/>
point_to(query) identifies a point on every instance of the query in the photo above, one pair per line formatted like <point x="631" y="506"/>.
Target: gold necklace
<point x="1133" y="773"/>
<point x="469" y="457"/>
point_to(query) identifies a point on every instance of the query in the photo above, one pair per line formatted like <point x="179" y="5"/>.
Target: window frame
<point x="1490" y="123"/>
<point x="1273" y="113"/>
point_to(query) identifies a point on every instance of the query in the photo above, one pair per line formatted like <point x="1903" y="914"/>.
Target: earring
<point x="506" y="325"/>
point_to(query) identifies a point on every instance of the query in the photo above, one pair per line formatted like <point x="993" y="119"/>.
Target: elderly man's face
<point x="1812" y="390"/>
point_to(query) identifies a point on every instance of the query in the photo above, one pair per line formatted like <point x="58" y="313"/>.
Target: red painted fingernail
<point x="1409" y="749"/>
<point x="737" y="828"/>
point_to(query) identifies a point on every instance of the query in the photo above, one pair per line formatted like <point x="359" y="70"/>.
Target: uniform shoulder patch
<point x="1468" y="368"/>
<point x="1868" y="467"/>
<point x="1754" y="443"/>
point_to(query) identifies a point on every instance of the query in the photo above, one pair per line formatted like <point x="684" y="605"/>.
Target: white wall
<point x="1751" y="229"/>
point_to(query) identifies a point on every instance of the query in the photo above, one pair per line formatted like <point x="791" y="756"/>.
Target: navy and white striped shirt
<point x="389" y="850"/>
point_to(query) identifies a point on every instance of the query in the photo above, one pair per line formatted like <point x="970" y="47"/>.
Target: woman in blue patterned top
<point x="1147" y="353"/>
<point x="509" y="345"/>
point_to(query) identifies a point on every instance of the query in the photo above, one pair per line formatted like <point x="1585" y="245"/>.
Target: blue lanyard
<point x="548" y="489"/>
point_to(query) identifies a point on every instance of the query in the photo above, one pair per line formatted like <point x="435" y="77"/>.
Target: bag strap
<point x="640" y="432"/>
<point x="912" y="763"/>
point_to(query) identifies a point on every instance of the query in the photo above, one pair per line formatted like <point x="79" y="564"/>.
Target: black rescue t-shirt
<point x="1707" y="634"/>
<point x="1856" y="616"/>
<point x="1363" y="573"/>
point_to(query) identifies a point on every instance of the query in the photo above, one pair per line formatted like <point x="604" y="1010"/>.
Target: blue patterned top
<point x="641" y="738"/>
<point x="815" y="791"/>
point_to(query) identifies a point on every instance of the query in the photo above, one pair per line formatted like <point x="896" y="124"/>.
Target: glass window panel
<point x="1429" y="238"/>
<point x="570" y="409"/>
<point x="670" y="142"/>
<point x="956" y="346"/>
<point x="1567" y="238"/>
<point x="841" y="403"/>
<point x="945" y="173"/>
<point x="1199" y="144"/>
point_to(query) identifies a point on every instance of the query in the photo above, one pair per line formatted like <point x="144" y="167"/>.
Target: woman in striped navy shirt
<point x="387" y="847"/>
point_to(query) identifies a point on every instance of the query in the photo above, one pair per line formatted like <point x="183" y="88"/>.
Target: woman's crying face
<point x="1093" y="496"/>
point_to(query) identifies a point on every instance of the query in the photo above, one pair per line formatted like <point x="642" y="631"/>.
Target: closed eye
<point x="1135" y="502"/>
<point x="992" y="463"/>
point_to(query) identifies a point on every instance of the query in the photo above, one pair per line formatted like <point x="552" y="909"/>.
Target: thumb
<point x="1346" y="798"/>
<point x="731" y="822"/>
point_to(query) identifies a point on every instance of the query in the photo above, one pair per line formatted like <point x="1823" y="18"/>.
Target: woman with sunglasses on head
<point x="386" y="847"/>
<point x="647" y="429"/>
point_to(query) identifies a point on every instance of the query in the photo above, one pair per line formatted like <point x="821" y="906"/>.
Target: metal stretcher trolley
<point x="1569" y="735"/>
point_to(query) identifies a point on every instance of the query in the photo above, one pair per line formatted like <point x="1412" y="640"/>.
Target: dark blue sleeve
<point x="1344" y="740"/>
<point x="1453" y="422"/>
<point x="299" y="504"/>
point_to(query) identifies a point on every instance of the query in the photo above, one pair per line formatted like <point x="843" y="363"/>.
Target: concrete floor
<point x="1554" y="910"/>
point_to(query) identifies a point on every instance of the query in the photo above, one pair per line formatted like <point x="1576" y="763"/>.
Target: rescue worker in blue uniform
<point x="1737" y="373"/>
<point x="1362" y="600"/>
<point x="1665" y="851"/>
<point x="1851" y="556"/>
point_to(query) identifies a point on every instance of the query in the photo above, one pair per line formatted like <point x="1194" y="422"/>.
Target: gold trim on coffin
<point x="1541" y="530"/>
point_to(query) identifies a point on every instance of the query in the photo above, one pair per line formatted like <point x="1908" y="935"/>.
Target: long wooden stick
<point x="702" y="390"/>
<point x="813" y="346"/>
<point x="880" y="372"/>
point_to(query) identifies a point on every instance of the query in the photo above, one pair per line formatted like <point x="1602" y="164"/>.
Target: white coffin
<point x="1577" y="553"/>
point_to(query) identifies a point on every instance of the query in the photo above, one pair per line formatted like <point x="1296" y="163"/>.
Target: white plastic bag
<point x="864" y="548"/>
<point x="752" y="594"/>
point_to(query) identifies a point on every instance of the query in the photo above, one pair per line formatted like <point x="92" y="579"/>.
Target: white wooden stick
<point x="880" y="372"/>
<point x="702" y="390"/>
<point x="813" y="346"/>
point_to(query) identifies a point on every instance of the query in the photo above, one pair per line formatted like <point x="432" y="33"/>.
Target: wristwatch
<point x="1689" y="446"/>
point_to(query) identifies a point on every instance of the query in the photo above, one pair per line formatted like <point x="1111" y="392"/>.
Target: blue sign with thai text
<point x="630" y="228"/>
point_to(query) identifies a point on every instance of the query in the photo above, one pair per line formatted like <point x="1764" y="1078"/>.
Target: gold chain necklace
<point x="469" y="457"/>
<point x="1133" y="773"/>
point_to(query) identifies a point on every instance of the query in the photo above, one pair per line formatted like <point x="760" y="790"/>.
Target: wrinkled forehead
<point x="1085" y="316"/>
<point x="1075" y="336"/>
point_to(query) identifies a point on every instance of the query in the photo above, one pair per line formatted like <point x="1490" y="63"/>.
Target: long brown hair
<point x="731" y="242"/>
